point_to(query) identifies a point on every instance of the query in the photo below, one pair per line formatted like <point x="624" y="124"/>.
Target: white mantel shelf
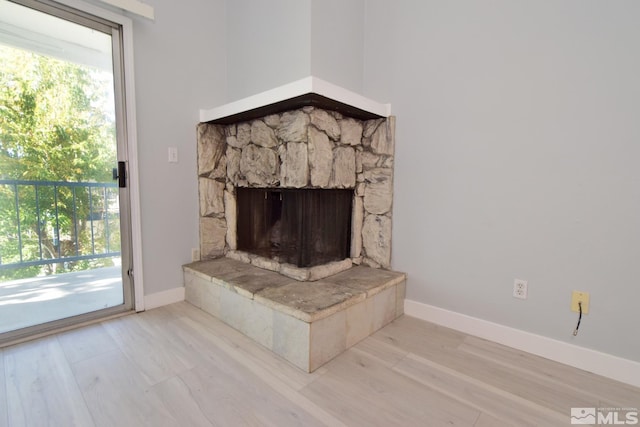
<point x="308" y="91"/>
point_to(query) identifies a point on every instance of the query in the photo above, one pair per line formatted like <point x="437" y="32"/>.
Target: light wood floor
<point x="178" y="366"/>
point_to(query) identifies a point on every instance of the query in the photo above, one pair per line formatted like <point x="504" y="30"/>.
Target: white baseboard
<point x="164" y="298"/>
<point x="617" y="368"/>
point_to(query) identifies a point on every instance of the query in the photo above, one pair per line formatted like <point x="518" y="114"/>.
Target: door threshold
<point x="30" y="337"/>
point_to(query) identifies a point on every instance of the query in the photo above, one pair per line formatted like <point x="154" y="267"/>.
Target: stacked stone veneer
<point x="304" y="148"/>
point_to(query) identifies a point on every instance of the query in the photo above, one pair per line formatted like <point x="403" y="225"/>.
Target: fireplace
<point x="304" y="228"/>
<point x="298" y="181"/>
<point x="303" y="187"/>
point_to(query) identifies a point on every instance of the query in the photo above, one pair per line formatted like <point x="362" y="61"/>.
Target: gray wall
<point x="518" y="139"/>
<point x="180" y="68"/>
<point x="337" y="42"/>
<point x="271" y="43"/>
<point x="268" y="44"/>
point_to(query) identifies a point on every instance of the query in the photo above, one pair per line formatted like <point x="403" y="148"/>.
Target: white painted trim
<point x="133" y="6"/>
<point x="291" y="90"/>
<point x="164" y="298"/>
<point x="607" y="365"/>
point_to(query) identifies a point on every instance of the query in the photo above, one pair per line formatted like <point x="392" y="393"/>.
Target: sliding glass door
<point x="65" y="245"/>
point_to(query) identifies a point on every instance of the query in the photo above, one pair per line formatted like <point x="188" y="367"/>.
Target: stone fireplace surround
<point x="298" y="140"/>
<point x="308" y="147"/>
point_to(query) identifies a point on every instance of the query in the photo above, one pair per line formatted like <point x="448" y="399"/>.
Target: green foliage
<point x="56" y="124"/>
<point x="19" y="273"/>
<point x="55" y="119"/>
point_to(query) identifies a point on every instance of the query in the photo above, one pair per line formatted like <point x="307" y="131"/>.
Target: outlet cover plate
<point x="579" y="296"/>
<point x="520" y="290"/>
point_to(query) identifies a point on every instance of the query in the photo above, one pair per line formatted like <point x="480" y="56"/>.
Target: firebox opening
<point x="303" y="227"/>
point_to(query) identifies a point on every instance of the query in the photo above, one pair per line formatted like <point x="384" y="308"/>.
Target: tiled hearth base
<point x="307" y="323"/>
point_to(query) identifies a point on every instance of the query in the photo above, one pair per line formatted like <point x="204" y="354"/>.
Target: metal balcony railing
<point x="49" y="222"/>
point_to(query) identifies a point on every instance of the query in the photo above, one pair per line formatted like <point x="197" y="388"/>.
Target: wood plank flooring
<point x="178" y="366"/>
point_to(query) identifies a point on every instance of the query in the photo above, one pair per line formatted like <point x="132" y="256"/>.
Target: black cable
<point x="579" y="318"/>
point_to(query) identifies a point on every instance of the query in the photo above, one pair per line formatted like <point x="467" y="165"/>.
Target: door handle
<point x="120" y="173"/>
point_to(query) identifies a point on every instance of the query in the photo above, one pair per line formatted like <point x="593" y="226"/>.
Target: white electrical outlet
<point x="520" y="289"/>
<point x="195" y="254"/>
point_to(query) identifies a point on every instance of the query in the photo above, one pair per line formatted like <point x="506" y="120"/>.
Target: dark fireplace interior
<point x="301" y="227"/>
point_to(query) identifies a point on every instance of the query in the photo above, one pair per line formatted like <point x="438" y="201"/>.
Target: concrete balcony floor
<point x="28" y="302"/>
